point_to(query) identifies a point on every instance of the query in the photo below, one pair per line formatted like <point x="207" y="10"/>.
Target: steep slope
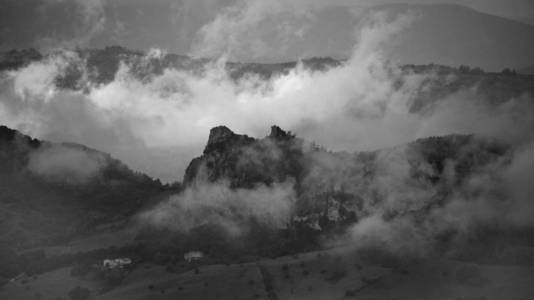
<point x="454" y="35"/>
<point x="52" y="192"/>
<point x="438" y="33"/>
<point x="340" y="188"/>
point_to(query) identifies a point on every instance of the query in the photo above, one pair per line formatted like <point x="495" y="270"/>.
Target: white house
<point x="193" y="256"/>
<point x="116" y="263"/>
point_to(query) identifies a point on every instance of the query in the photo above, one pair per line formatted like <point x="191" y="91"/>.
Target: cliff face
<point x="339" y="188"/>
<point x="244" y="161"/>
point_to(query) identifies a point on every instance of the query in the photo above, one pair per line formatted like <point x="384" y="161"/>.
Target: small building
<point x="193" y="256"/>
<point x="116" y="263"/>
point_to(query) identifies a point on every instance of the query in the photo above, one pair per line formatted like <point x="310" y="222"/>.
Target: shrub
<point x="79" y="293"/>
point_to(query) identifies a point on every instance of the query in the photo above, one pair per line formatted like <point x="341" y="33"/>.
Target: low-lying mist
<point x="218" y="204"/>
<point x="66" y="164"/>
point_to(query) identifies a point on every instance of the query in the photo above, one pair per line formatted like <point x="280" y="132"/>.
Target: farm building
<point x="193" y="256"/>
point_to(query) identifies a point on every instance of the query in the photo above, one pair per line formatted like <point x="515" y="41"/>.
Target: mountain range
<point x="67" y="198"/>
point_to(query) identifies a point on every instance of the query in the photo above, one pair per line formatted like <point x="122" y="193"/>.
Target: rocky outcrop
<point x="339" y="188"/>
<point x="59" y="204"/>
<point x="244" y="161"/>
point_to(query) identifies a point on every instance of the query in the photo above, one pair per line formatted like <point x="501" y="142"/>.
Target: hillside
<point x="455" y="35"/>
<point x="439" y="33"/>
<point x="334" y="191"/>
<point x="340" y="188"/>
<point x="53" y="192"/>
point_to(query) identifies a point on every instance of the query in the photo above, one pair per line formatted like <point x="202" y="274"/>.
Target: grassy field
<point x="340" y="273"/>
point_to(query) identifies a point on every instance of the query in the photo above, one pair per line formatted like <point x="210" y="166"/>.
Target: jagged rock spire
<point x="278" y="133"/>
<point x="221" y="138"/>
<point x="220" y="134"/>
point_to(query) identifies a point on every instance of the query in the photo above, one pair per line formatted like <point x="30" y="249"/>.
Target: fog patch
<point x="414" y="215"/>
<point x="218" y="204"/>
<point x="157" y="125"/>
<point x="246" y="28"/>
<point x="171" y="114"/>
<point x="66" y="164"/>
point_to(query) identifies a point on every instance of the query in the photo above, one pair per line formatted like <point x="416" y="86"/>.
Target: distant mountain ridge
<point x="333" y="190"/>
<point x="441" y="33"/>
<point x="100" y="66"/>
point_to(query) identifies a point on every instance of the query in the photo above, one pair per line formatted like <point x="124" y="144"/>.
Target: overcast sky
<point x="23" y="22"/>
<point x="516" y="9"/>
<point x="177" y="25"/>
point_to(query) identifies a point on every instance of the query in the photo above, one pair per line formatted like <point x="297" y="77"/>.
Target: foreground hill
<point x="332" y="193"/>
<point x="51" y="193"/>
<point x="332" y="188"/>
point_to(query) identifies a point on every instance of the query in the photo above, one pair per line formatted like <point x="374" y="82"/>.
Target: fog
<point x="66" y="164"/>
<point x="217" y="204"/>
<point x="158" y="125"/>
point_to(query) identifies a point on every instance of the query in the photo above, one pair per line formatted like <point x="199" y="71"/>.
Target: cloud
<point x="172" y="113"/>
<point x="66" y="164"/>
<point x="90" y="21"/>
<point x="157" y="125"/>
<point x="405" y="211"/>
<point x="232" y="209"/>
<point x="247" y="28"/>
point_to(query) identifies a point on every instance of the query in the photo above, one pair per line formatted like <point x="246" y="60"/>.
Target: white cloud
<point x="217" y="204"/>
<point x="158" y="125"/>
<point x="66" y="164"/>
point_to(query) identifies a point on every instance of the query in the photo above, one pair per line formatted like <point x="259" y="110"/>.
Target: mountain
<point x="340" y="188"/>
<point x="53" y="192"/>
<point x="439" y="33"/>
<point x="15" y="59"/>
<point x="454" y="35"/>
<point x="99" y="66"/>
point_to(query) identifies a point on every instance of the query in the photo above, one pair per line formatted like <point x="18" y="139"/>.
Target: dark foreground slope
<point x="333" y="194"/>
<point x="51" y="193"/>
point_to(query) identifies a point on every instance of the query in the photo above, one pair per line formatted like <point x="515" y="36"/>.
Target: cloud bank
<point x="232" y="209"/>
<point x="66" y="164"/>
<point x="158" y="125"/>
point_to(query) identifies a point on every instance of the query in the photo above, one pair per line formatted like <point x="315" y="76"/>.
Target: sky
<point x="169" y="24"/>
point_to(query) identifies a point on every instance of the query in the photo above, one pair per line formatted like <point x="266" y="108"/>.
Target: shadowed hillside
<point x="52" y="192"/>
<point x="331" y="194"/>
